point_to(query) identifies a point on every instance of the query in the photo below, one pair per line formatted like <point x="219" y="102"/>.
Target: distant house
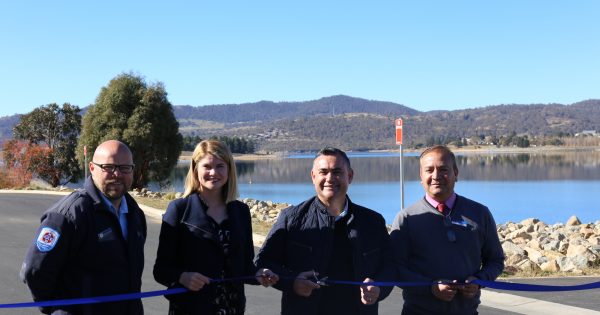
<point x="587" y="133"/>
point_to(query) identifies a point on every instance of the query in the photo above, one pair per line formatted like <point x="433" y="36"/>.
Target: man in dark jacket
<point x="328" y="238"/>
<point x="91" y="242"/>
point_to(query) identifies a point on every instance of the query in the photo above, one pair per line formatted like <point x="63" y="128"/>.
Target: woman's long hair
<point x="219" y="150"/>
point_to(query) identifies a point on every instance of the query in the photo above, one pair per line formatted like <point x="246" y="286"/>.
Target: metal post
<point x="401" y="181"/>
<point x="398" y="123"/>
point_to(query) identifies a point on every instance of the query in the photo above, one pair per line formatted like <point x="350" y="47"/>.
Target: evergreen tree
<point x="141" y="116"/>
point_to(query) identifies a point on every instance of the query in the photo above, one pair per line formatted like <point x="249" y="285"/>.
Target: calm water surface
<point x="549" y="186"/>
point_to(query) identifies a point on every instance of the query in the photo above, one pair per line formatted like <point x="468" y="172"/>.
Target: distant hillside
<point x="361" y="127"/>
<point x="359" y="124"/>
<point x="532" y="120"/>
<point x="6" y="125"/>
<point x="269" y="111"/>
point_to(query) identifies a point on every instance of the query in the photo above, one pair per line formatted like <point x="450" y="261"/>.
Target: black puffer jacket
<point x="302" y="240"/>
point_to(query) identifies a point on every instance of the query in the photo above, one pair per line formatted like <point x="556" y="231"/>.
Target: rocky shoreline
<point x="534" y="246"/>
<point x="530" y="246"/>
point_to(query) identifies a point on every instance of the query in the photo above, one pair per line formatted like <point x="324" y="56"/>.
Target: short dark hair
<point x="441" y="149"/>
<point x="336" y="152"/>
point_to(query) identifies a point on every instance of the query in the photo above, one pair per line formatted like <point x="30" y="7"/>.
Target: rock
<point x="533" y="254"/>
<point x="587" y="232"/>
<point x="550" y="266"/>
<point x="552" y="255"/>
<point x="573" y="220"/>
<point x="514" y="260"/>
<point x="528" y="265"/>
<point x="519" y="234"/>
<point x="530" y="221"/>
<point x="535" y="244"/>
<point x="511" y="270"/>
<point x="559" y="236"/>
<point x="595" y="240"/>
<point x="563" y="247"/>
<point x="581" y="250"/>
<point x="540" y="226"/>
<point x="511" y="248"/>
<point x="571" y="264"/>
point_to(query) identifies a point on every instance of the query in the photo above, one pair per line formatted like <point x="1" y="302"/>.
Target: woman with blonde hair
<point x="207" y="235"/>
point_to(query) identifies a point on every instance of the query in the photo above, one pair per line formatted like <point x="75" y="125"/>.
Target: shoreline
<point x="187" y="155"/>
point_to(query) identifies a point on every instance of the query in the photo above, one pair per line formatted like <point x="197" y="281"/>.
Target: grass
<point x="160" y="204"/>
<point x="260" y="227"/>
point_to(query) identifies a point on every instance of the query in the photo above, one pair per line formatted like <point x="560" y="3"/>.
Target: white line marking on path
<point x="529" y="306"/>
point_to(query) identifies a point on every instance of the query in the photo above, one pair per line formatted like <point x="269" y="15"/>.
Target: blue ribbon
<point x="113" y="298"/>
<point x="499" y="285"/>
<point x="536" y="287"/>
<point x="134" y="296"/>
<point x="93" y="300"/>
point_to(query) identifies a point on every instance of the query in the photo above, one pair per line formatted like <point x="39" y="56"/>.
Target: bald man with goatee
<point x="91" y="242"/>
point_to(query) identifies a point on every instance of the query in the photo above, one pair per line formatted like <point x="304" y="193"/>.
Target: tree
<point x="140" y="115"/>
<point x="24" y="159"/>
<point x="57" y="128"/>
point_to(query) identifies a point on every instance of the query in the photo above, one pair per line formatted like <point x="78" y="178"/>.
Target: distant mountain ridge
<point x="267" y="110"/>
<point x="358" y="124"/>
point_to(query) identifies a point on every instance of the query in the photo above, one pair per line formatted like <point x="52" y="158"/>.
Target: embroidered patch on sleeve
<point x="47" y="239"/>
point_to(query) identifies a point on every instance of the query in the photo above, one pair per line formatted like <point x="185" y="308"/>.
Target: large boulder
<point x="550" y="266"/>
<point x="573" y="220"/>
<point x="511" y="248"/>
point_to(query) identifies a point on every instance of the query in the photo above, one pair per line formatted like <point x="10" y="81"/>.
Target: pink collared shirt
<point x="449" y="202"/>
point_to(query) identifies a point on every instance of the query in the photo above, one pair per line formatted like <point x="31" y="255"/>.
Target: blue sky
<point x="427" y="55"/>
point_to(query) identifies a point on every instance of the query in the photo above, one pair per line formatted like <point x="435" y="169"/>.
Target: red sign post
<point x="399" y="142"/>
<point x="399" y="131"/>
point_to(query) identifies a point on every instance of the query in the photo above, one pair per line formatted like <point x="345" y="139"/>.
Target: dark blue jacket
<point x="302" y="240"/>
<point x="90" y="257"/>
<point x="189" y="242"/>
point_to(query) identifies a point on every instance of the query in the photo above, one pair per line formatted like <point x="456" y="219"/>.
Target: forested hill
<point x="268" y="111"/>
<point x="358" y="124"/>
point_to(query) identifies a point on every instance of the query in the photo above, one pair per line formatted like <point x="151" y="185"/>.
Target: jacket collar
<point x="99" y="204"/>
<point x="195" y="215"/>
<point x="348" y="212"/>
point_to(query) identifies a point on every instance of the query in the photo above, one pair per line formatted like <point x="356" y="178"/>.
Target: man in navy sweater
<point x="444" y="239"/>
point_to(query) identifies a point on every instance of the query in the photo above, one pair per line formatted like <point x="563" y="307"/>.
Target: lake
<point x="550" y="186"/>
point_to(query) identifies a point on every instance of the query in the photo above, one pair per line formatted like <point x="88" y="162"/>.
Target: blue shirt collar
<point x="122" y="207"/>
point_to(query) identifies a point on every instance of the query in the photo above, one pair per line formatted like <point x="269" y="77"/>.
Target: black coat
<point x="189" y="242"/>
<point x="302" y="240"/>
<point x="90" y="257"/>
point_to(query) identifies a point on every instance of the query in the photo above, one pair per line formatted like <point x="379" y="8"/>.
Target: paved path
<point x="21" y="213"/>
